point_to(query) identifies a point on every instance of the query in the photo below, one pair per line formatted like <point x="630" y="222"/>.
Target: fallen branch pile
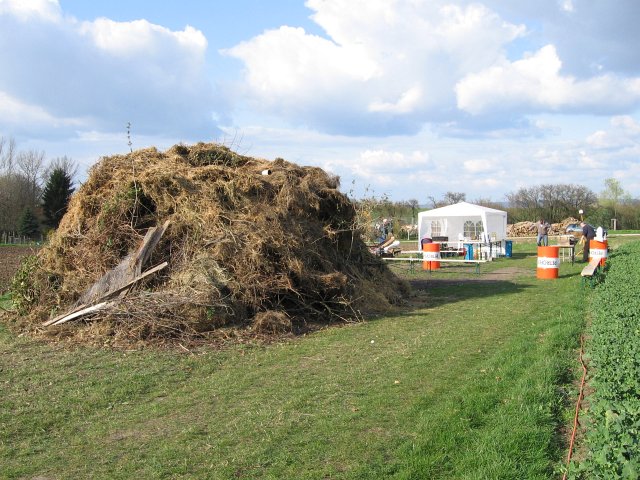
<point x="233" y="240"/>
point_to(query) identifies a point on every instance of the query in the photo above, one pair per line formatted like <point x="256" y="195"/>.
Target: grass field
<point x="470" y="379"/>
<point x="624" y="232"/>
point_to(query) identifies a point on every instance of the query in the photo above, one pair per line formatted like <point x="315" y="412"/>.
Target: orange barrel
<point x="598" y="250"/>
<point x="430" y="252"/>
<point x="548" y="262"/>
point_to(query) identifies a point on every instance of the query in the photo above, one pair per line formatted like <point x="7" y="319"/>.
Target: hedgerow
<point x="613" y="416"/>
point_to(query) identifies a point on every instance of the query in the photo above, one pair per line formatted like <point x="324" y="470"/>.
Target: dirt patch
<point x="506" y="274"/>
<point x="10" y="258"/>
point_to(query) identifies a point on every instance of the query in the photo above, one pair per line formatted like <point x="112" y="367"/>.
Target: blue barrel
<point x="469" y="251"/>
<point x="508" y="248"/>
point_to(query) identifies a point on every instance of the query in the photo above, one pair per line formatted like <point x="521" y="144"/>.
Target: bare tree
<point x="451" y="198"/>
<point x="552" y="202"/>
<point x="487" y="202"/>
<point x="31" y="167"/>
<point x="7" y="155"/>
<point x="21" y="177"/>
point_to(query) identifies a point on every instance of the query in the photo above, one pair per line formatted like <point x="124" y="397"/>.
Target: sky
<point x="405" y="99"/>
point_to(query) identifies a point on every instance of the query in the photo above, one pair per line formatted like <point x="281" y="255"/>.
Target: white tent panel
<point x="450" y="221"/>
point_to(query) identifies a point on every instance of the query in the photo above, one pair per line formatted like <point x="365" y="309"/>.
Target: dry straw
<point x="267" y="253"/>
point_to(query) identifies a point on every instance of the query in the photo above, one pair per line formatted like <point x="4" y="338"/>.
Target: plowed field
<point x="10" y="258"/>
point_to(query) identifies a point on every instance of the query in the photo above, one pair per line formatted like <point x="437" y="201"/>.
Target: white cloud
<point x="591" y="37"/>
<point x="478" y="166"/>
<point x="33" y="115"/>
<point x="281" y="63"/>
<point x="624" y="133"/>
<point x="385" y="169"/>
<point x="382" y="161"/>
<point x="26" y="10"/>
<point x="567" y="5"/>
<point x="101" y="74"/>
<point x="388" y="67"/>
<point x="536" y="84"/>
<point x="585" y="161"/>
<point x="385" y="67"/>
<point x="139" y="37"/>
<point x="407" y="102"/>
<point x="420" y="166"/>
<point x="412" y="97"/>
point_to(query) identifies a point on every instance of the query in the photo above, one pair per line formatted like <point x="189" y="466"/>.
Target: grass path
<point x="469" y="381"/>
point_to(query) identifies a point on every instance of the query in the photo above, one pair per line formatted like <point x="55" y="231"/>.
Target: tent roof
<point x="462" y="209"/>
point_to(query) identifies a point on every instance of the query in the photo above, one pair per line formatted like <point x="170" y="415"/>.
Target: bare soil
<point x="10" y="258"/>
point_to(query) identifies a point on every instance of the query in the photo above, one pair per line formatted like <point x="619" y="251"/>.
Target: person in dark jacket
<point x="588" y="234"/>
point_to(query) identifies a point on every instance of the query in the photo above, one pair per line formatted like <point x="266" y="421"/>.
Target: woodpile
<point x="530" y="229"/>
<point x="521" y="229"/>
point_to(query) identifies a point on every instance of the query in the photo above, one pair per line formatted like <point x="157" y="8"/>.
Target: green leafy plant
<point x="23" y="290"/>
<point x="613" y="436"/>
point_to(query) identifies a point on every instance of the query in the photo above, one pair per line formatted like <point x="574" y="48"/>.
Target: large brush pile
<point x="252" y="243"/>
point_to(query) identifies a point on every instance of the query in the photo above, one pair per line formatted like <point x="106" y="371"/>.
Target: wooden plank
<point x="81" y="312"/>
<point x="151" y="271"/>
<point x="128" y="269"/>
<point x="590" y="269"/>
<point x="86" y="309"/>
<point x="51" y="321"/>
<point x="145" y="250"/>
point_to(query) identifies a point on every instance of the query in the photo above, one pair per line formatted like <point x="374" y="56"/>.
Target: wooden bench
<point x="591" y="272"/>
<point x="413" y="260"/>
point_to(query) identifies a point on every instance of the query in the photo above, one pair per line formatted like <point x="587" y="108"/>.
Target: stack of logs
<point x="530" y="229"/>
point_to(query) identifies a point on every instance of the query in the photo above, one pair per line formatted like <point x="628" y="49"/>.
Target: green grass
<point x="5" y="301"/>
<point x="624" y="232"/>
<point x="468" y="381"/>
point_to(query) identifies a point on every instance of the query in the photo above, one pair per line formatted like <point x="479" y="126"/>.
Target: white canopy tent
<point x="463" y="221"/>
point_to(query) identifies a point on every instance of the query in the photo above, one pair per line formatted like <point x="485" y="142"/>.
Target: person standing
<point x="543" y="233"/>
<point x="588" y="234"/>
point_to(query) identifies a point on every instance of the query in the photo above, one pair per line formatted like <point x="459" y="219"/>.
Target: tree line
<point x="556" y="202"/>
<point x="553" y="202"/>
<point x="34" y="193"/>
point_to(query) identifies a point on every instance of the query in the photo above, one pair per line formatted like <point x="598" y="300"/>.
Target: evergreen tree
<point x="55" y="198"/>
<point x="29" y="226"/>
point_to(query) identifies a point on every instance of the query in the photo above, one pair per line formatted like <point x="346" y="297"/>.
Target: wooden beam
<point x="145" y="250"/>
<point x="102" y="301"/>
<point x="128" y="269"/>
<point x="80" y="313"/>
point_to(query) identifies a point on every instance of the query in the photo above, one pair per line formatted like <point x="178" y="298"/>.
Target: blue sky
<point x="404" y="98"/>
